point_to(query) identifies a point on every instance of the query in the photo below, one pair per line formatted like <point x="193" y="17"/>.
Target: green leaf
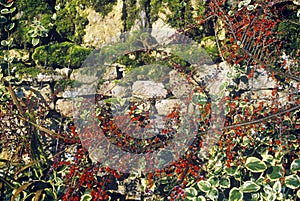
<point x="292" y="181"/>
<point x="277" y="187"/>
<point x="235" y="195"/>
<point x="7" y="5"/>
<point x="255" y="165"/>
<point x="214" y="181"/>
<point x="295" y="166"/>
<point x="200" y="198"/>
<point x="225" y="182"/>
<point x="255" y="196"/>
<point x="292" y="138"/>
<point x="3" y="19"/>
<point x="191" y="192"/>
<point x="231" y="171"/>
<point x="35" y="41"/>
<point x="4" y="43"/>
<point x="276" y="173"/>
<point x="272" y="197"/>
<point x="204" y="186"/>
<point x="86" y="197"/>
<point x="213" y="194"/>
<point x="9" y="26"/>
<point x="249" y="187"/>
<point x="4" y="11"/>
<point x="50" y="193"/>
<point x="7" y="11"/>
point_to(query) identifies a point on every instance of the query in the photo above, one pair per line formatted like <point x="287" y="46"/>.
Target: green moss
<point x="64" y="54"/>
<point x="69" y="23"/>
<point x="210" y="46"/>
<point x="33" y="8"/>
<point x="32" y="71"/>
<point x="129" y="14"/>
<point x="156" y="7"/>
<point x="181" y="13"/>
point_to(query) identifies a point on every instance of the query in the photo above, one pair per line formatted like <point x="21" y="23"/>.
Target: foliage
<point x="7" y="11"/>
<point x="253" y="155"/>
<point x="60" y="55"/>
<point x="37" y="30"/>
<point x="69" y="22"/>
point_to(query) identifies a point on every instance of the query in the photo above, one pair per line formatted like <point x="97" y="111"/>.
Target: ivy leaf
<point x="204" y="186"/>
<point x="250" y="186"/>
<point x="200" y="198"/>
<point x="235" y="195"/>
<point x="191" y="192"/>
<point x="7" y="5"/>
<point x="231" y="171"/>
<point x="51" y="193"/>
<point x="255" y="165"/>
<point x="9" y="26"/>
<point x="3" y="19"/>
<point x="276" y="173"/>
<point x="7" y="11"/>
<point x="86" y="197"/>
<point x="225" y="182"/>
<point x="277" y="187"/>
<point x="4" y="43"/>
<point x="292" y="181"/>
<point x="214" y="181"/>
<point x="35" y="41"/>
<point x="295" y="166"/>
<point x="213" y="194"/>
<point x="4" y="11"/>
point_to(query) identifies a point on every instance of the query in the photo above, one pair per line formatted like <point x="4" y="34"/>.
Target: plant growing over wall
<point x="60" y="55"/>
<point x="256" y="154"/>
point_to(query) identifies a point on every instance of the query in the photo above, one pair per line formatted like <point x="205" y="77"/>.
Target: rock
<point x="48" y="78"/>
<point x="65" y="107"/>
<point x="179" y="85"/>
<point x="19" y="54"/>
<point x="46" y="93"/>
<point x="120" y="91"/>
<point x="165" y="107"/>
<point x="161" y="31"/>
<point x="261" y="80"/>
<point x="148" y="89"/>
<point x="69" y="94"/>
<point x="106" y="88"/>
<point x="64" y="71"/>
<point x="110" y="73"/>
<point x="101" y="29"/>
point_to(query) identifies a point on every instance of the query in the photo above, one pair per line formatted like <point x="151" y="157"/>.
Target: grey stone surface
<point x="148" y="89"/>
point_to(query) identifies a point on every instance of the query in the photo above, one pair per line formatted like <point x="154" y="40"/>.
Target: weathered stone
<point x="148" y="89"/>
<point x="19" y="54"/>
<point x="120" y="91"/>
<point x="46" y="93"/>
<point x="64" y="71"/>
<point x="106" y="88"/>
<point x="48" y="78"/>
<point x="69" y="94"/>
<point x="179" y="85"/>
<point x="165" y="107"/>
<point x="101" y="29"/>
<point x="65" y="107"/>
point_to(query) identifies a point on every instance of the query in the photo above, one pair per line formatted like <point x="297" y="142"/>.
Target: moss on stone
<point x="33" y="8"/>
<point x="70" y="24"/>
<point x="60" y="55"/>
<point x="210" y="46"/>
